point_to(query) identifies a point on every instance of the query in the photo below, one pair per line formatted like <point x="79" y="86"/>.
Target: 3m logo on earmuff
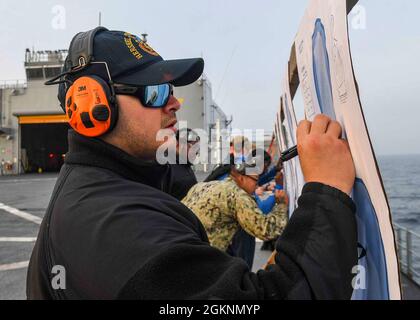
<point x="88" y="107"/>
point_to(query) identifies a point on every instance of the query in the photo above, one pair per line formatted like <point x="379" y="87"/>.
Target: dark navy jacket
<point x="118" y="233"/>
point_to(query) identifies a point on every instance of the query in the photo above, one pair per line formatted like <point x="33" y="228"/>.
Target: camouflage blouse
<point x="222" y="207"/>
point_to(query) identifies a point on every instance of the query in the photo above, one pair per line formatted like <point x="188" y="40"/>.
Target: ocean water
<point x="401" y="176"/>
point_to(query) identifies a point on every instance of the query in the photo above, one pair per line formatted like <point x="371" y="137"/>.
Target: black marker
<point x="289" y="154"/>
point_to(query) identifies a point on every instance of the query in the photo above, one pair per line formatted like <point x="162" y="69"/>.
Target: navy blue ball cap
<point x="131" y="61"/>
<point x="180" y="72"/>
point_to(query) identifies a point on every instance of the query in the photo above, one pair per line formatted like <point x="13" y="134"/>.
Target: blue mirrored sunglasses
<point x="155" y="96"/>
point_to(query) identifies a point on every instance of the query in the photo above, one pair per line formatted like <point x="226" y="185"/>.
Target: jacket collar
<point x="97" y="153"/>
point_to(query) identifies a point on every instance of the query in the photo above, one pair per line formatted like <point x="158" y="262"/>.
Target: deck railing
<point x="408" y="243"/>
<point x="13" y="84"/>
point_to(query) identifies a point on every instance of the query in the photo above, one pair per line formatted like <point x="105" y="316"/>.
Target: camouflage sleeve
<point x="253" y="221"/>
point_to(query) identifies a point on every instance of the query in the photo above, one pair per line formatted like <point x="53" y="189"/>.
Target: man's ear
<point x="240" y="179"/>
<point x="235" y="176"/>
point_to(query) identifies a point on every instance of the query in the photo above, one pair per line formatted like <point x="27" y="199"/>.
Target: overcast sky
<point x="246" y="45"/>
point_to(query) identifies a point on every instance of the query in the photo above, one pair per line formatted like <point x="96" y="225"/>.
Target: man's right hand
<point x="279" y="178"/>
<point x="281" y="197"/>
<point x="324" y="156"/>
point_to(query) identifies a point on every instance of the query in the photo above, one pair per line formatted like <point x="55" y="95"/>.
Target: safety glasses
<point x="253" y="178"/>
<point x="156" y="96"/>
<point x="190" y="135"/>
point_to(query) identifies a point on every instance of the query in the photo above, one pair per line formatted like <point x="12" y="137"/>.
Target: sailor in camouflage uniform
<point x="224" y="206"/>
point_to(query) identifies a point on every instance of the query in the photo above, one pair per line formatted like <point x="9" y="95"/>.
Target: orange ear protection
<point x="90" y="106"/>
<point x="89" y="101"/>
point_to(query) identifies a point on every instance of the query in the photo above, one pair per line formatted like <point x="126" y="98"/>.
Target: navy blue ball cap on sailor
<point x="131" y="61"/>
